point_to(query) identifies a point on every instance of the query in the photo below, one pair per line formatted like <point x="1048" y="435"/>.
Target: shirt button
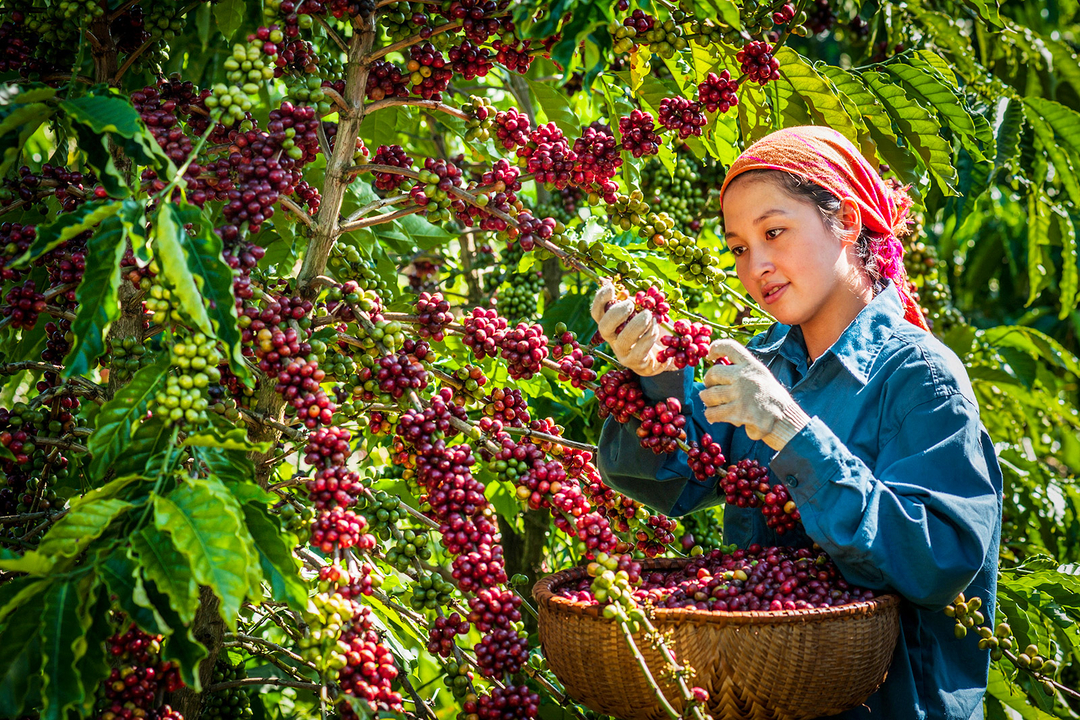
<point x="792" y="481"/>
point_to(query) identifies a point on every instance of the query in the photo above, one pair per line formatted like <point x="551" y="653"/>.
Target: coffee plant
<point x="301" y="391"/>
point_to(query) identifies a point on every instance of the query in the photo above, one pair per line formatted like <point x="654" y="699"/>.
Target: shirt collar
<point x="857" y="347"/>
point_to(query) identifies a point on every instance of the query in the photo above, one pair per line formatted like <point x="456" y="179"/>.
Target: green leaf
<point x="233" y="439"/>
<point x="65" y="227"/>
<point x="71" y="534"/>
<point x="1058" y="154"/>
<point x="229" y="15"/>
<point x="113" y="432"/>
<point x="204" y="259"/>
<point x="97" y="298"/>
<point x="1008" y="134"/>
<point x="148" y="450"/>
<point x="1067" y="286"/>
<point x="169" y="251"/>
<point x="726" y="10"/>
<point x="121" y="575"/>
<point x="232" y="465"/>
<point x="918" y="127"/>
<point x="93" y="611"/>
<point x="931" y="89"/>
<point x="987" y="9"/>
<point x="1065" y="121"/>
<point x="1038" y="232"/>
<point x="62" y="645"/>
<point x="869" y="108"/>
<point x="279" y="565"/>
<point x="16" y="592"/>
<point x="20" y="663"/>
<point x="204" y="522"/>
<point x="817" y="92"/>
<point x="104" y="114"/>
<point x="639" y="66"/>
<point x="556" y="107"/>
<point x="168" y="569"/>
<point x="181" y="647"/>
<point x="24" y="120"/>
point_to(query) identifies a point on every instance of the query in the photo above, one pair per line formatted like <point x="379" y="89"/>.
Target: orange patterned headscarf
<point x="825" y="157"/>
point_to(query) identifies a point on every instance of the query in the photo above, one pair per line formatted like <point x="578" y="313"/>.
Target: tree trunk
<point x="208" y="629"/>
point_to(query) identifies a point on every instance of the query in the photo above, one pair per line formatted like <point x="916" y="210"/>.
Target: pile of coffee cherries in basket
<point x="757" y="578"/>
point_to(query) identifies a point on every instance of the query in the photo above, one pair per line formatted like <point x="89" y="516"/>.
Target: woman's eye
<point x="770" y="234"/>
<point x="737" y="250"/>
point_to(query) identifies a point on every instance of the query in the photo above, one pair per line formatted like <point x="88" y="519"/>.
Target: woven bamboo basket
<point x="786" y="665"/>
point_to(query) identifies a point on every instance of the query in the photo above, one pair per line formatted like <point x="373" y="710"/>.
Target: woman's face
<point x="785" y="256"/>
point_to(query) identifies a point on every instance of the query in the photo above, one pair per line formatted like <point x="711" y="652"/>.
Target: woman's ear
<point x="850" y="217"/>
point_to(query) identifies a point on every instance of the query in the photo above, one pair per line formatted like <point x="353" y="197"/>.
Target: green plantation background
<point x="194" y="520"/>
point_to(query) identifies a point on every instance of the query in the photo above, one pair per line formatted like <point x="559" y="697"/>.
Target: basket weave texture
<point x="787" y="665"/>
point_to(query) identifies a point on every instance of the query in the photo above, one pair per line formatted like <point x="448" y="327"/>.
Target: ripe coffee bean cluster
<point x="620" y="395"/>
<point x="755" y="579"/>
<point x="507" y="406"/>
<point x="385" y="80"/>
<point x="598" y="161"/>
<point x="758" y="62"/>
<point x="706" y="458"/>
<point x="746" y="484"/>
<point x="137" y="679"/>
<point x="662" y="427"/>
<point x="442" y="632"/>
<point x="687" y="346"/>
<point x="547" y="155"/>
<point x="434" y="314"/>
<point x="575" y="365"/>
<point x="509" y="702"/>
<point x="637" y="24"/>
<point x="430" y="73"/>
<point x="638" y="132"/>
<point x="718" y="93"/>
<point x="23" y="304"/>
<point x="512" y="128"/>
<point x="683" y="116"/>
<point x="395" y="156"/>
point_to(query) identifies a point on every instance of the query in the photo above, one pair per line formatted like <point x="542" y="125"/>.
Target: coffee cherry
<point x="758" y="63"/>
<point x="547" y="155"/>
<point x="481" y="115"/>
<point x="390" y="155"/>
<point x="706" y="458"/>
<point x="717" y="93"/>
<point x="470" y="61"/>
<point x="524" y="348"/>
<point x="430" y="71"/>
<point x="510" y="702"/>
<point x="620" y="395"/>
<point x="639" y="136"/>
<point x="23" y="305"/>
<point x="687" y="346"/>
<point x="385" y="80"/>
<point x="682" y="115"/>
<point x="511" y="128"/>
<point x="484" y="330"/>
<point x="662" y="427"/>
<point x="441" y="634"/>
<point x="745" y="483"/>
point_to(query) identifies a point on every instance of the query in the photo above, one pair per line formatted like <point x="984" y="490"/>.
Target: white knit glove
<point x="636" y="346"/>
<point x="745" y="393"/>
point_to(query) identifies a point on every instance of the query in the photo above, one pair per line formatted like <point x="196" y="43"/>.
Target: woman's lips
<point x="774" y="293"/>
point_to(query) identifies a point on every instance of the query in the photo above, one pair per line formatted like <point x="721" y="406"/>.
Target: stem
<point x="407" y="42"/>
<point x="332" y="34"/>
<point x="280" y="682"/>
<point x="414" y="102"/>
<point x="370" y="207"/>
<point x="672" y="713"/>
<point x="380" y="219"/>
<point x="290" y="205"/>
<point x="131" y="59"/>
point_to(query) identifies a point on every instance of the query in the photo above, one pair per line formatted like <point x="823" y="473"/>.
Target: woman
<point x="868" y="419"/>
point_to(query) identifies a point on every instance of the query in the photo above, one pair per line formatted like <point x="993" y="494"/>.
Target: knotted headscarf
<point x="825" y="157"/>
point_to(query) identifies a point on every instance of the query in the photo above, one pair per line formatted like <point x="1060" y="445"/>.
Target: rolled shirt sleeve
<point x="922" y="521"/>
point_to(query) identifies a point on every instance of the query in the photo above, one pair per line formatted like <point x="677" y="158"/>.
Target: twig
<point x="130" y="59"/>
<point x="672" y="712"/>
<point x="60" y="443"/>
<point x="13" y="519"/>
<point x="380" y="219"/>
<point x="333" y="34"/>
<point x="554" y="439"/>
<point x="280" y="682"/>
<point x="407" y="42"/>
<point x="258" y="418"/>
<point x="378" y="204"/>
<point x="290" y="205"/>
<point x="414" y="102"/>
<point x="272" y="646"/>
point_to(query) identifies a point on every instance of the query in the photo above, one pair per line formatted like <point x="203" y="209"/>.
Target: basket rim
<point x="545" y="596"/>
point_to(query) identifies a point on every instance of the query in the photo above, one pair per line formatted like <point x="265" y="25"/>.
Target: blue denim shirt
<point x="894" y="476"/>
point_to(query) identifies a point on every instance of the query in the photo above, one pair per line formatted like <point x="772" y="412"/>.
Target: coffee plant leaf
<point x="147" y="452"/>
<point x="234" y="438"/>
<point x="931" y="89"/>
<point x="231" y="466"/>
<point x="114" y="423"/>
<point x="97" y="297"/>
<point x="873" y="114"/>
<point x="181" y="647"/>
<point x="123" y="578"/>
<point x="203" y="251"/>
<point x="174" y="257"/>
<point x="93" y="609"/>
<point x="1069" y="276"/>
<point x="229" y="15"/>
<point x="556" y="107"/>
<point x="16" y="127"/>
<point x="279" y="565"/>
<point x="205" y="524"/>
<point x="62" y="646"/>
<point x="920" y="128"/>
<point x="1039" y="264"/>
<point x="15" y="594"/>
<point x="1008" y="135"/>
<point x="987" y="9"/>
<point x="116" y="119"/>
<point x="65" y="227"/>
<point x="68" y="537"/>
<point x="169" y="570"/>
<point x="1065" y="121"/>
<point x="818" y="93"/>
<point x="1065" y="162"/>
<point x="20" y="663"/>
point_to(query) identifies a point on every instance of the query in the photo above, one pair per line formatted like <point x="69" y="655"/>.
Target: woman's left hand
<point x="746" y="394"/>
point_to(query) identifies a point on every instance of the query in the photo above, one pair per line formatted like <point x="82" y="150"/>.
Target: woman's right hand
<point x="637" y="344"/>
